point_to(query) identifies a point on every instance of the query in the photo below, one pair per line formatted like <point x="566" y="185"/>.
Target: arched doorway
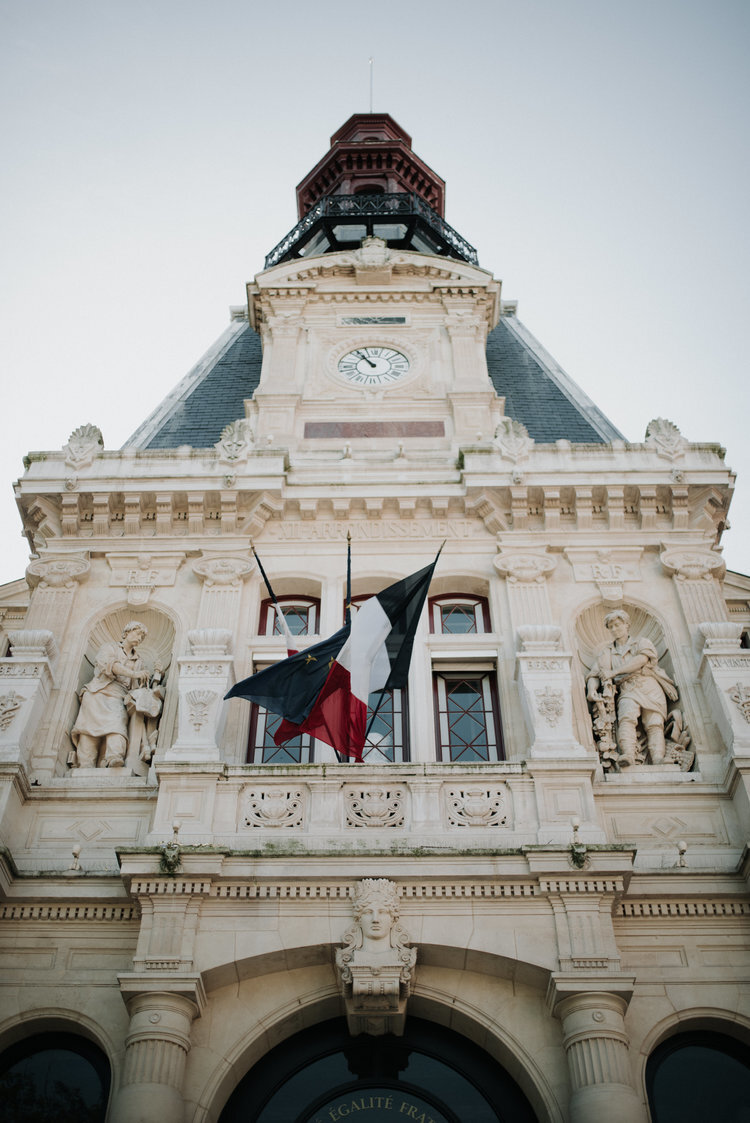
<point x="696" y="1076"/>
<point x="429" y="1075"/>
<point x="54" y="1078"/>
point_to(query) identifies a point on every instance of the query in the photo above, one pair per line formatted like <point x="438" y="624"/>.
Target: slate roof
<point x="209" y="397"/>
<point x="537" y="392"/>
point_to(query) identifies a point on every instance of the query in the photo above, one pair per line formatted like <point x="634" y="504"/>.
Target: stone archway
<point x="430" y="1074"/>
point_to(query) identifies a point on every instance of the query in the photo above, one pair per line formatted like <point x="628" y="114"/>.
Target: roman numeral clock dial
<point x="373" y="366"/>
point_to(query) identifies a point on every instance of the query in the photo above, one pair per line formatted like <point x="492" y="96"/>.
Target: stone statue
<point x="119" y="706"/>
<point x="375" y="964"/>
<point x="628" y="691"/>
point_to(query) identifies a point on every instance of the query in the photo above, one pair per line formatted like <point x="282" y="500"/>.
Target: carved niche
<point x="630" y="690"/>
<point x="121" y="692"/>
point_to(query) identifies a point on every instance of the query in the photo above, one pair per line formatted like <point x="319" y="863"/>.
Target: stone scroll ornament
<point x="118" y="719"/>
<point x="631" y="700"/>
<point x="376" y="966"/>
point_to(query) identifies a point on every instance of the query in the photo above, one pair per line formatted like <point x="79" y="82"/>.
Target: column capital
<point x="569" y="992"/>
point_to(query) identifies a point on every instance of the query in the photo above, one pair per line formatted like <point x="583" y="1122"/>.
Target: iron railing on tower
<point x="366" y="209"/>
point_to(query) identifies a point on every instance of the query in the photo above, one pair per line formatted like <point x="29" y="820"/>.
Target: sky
<point x="595" y="153"/>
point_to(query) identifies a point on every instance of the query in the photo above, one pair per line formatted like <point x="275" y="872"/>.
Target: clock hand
<point x="372" y="364"/>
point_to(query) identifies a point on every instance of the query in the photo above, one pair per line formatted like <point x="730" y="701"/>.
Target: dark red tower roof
<point x="371" y="154"/>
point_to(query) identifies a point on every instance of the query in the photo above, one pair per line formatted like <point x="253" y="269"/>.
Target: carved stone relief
<point x="56" y="573"/>
<point x="665" y="438"/>
<point x="476" y="806"/>
<point x="235" y="442"/>
<point x="631" y="700"/>
<point x="523" y="567"/>
<point x="740" y="695"/>
<point x="273" y="807"/>
<point x="550" y="704"/>
<point x="375" y="807"/>
<point x="222" y="570"/>
<point x="512" y="440"/>
<point x="375" y="965"/>
<point x="84" y="445"/>
<point x="693" y="565"/>
<point x="199" y="703"/>
<point x="10" y="704"/>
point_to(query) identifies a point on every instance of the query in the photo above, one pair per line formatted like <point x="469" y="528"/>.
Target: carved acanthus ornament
<point x="665" y="438"/>
<point x="693" y="565"/>
<point x="375" y="965"/>
<point x="512" y="440"/>
<point x="222" y="570"/>
<point x="84" y="445"/>
<point x="57" y="572"/>
<point x="524" y="568"/>
<point x="235" y="442"/>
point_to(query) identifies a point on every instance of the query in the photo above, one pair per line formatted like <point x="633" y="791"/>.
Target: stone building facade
<point x="530" y="901"/>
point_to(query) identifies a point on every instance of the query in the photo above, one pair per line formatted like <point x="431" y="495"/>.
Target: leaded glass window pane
<point x="467" y="723"/>
<point x="386" y="739"/>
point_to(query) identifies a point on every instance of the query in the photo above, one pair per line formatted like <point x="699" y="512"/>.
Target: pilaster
<point x="543" y="671"/>
<point x="54" y="579"/>
<point x="204" y="678"/>
<point x="696" y="575"/>
<point x="25" y="683"/>
<point x="222" y="577"/>
<point x="526" y="572"/>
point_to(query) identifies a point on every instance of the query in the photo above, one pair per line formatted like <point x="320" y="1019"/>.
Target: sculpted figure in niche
<point x="628" y="692"/>
<point x="119" y="706"/>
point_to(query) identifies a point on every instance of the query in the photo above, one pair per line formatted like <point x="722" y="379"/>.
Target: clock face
<point x="373" y="366"/>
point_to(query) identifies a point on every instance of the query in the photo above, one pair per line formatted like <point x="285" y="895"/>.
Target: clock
<point x="373" y="366"/>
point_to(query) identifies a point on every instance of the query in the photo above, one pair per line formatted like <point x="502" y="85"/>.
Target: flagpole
<point x="347" y="610"/>
<point x="348" y="605"/>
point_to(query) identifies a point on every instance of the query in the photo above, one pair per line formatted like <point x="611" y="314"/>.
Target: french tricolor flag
<point x="324" y="689"/>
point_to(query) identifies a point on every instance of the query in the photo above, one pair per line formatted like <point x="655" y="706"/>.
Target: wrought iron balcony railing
<point x="420" y="228"/>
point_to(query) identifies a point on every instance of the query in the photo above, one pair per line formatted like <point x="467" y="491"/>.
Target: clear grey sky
<point x="595" y="153"/>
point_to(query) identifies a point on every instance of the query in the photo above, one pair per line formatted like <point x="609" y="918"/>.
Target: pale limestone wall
<point x="565" y="919"/>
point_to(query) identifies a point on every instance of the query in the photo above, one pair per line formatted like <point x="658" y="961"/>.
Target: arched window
<point x="430" y="1073"/>
<point x="457" y="614"/>
<point x="54" y="1078"/>
<point x="697" y="1076"/>
<point x="301" y="614"/>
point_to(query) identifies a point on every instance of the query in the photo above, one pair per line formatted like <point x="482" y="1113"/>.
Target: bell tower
<point x="371" y="184"/>
<point x="373" y="312"/>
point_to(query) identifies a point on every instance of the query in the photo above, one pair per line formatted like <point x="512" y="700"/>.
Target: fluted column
<point x="156" y="1050"/>
<point x="697" y="574"/>
<point x="597" y="1049"/>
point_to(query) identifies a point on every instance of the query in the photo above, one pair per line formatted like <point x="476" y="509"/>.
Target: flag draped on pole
<point x="324" y="689"/>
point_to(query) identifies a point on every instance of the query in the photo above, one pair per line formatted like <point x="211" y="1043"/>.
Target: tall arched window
<point x="694" y="1077"/>
<point x="54" y="1078"/>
